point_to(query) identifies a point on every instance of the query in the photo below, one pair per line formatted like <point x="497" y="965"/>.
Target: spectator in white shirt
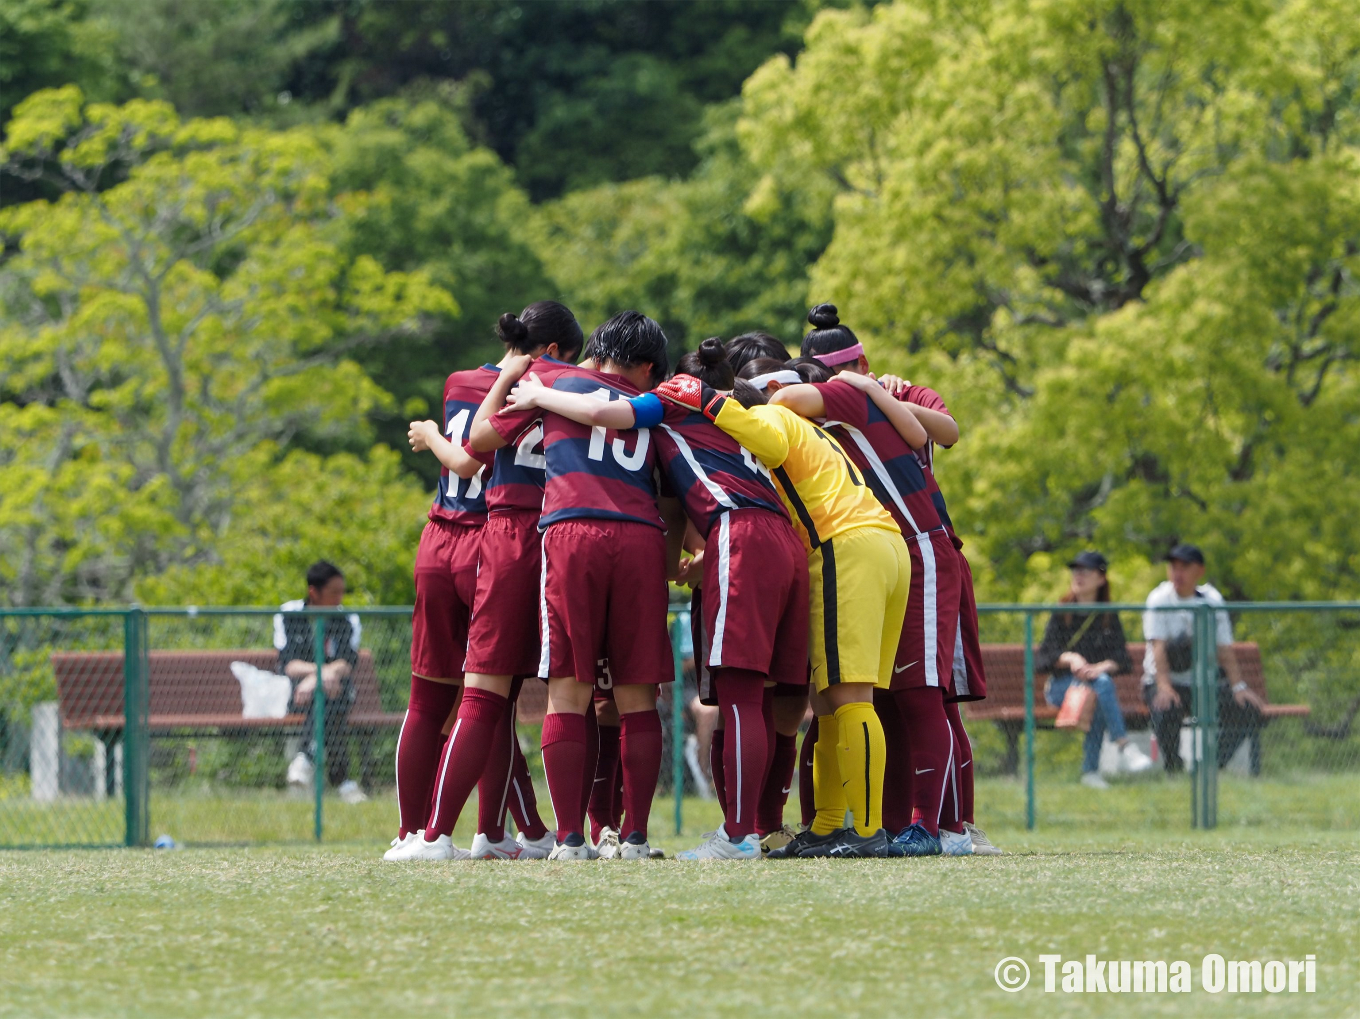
<point x="1168" y="662"/>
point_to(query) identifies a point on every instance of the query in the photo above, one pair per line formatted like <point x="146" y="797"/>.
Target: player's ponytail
<point x="828" y="337"/>
<point x="709" y="363"/>
<point x="540" y="325"/>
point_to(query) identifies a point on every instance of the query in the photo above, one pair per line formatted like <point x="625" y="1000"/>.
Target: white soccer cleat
<point x="717" y="846"/>
<point x="484" y="849"/>
<point x="400" y="843"/>
<point x="956" y="843"/>
<point x="608" y="846"/>
<point x="982" y="845"/>
<point x="1133" y="760"/>
<point x="300" y="771"/>
<point x="441" y="848"/>
<point x="566" y="853"/>
<point x="536" y="849"/>
<point x="635" y="850"/>
<point x="1092" y="780"/>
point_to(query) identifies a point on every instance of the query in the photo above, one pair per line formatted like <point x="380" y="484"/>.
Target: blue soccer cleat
<point x="916" y="841"/>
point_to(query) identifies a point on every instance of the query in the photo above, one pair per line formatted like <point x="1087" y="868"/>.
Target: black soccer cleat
<point x="791" y="849"/>
<point x="846" y="844"/>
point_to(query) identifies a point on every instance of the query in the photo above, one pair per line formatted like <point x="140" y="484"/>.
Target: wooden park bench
<point x="1005" y="703"/>
<point x="195" y="693"/>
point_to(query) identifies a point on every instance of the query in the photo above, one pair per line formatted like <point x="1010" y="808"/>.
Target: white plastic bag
<point x="263" y="694"/>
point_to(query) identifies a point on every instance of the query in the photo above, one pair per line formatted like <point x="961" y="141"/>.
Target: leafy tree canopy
<point x="1121" y="237"/>
<point x="189" y="305"/>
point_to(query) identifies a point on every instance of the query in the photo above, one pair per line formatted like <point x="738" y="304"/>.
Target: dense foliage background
<point x="245" y="241"/>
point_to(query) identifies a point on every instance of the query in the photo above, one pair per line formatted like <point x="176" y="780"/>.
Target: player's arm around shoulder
<point x="766" y="431"/>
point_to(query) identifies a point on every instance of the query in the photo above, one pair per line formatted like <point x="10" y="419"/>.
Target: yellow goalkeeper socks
<point x="861" y="752"/>
<point x="827" y="791"/>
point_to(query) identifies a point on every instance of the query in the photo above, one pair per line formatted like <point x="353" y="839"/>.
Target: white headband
<point x="785" y="376"/>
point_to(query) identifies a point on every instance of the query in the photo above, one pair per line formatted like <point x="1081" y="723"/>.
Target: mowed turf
<point x="334" y="931"/>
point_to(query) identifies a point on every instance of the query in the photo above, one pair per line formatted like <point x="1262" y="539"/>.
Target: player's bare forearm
<point x="802" y="399"/>
<point x="940" y="428"/>
<point x="907" y="424"/>
<point x="451" y="456"/>
<point x="1227" y="657"/>
<point x="482" y="436"/>
<point x="586" y="410"/>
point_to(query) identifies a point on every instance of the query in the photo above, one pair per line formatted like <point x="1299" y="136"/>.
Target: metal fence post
<point x="1029" y="720"/>
<point x="319" y="723"/>
<point x="136" y="774"/>
<point x="678" y="726"/>
<point x="1209" y="717"/>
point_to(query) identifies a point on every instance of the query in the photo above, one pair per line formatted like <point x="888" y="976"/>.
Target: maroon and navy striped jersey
<point x="924" y="396"/>
<point x="888" y="463"/>
<point x="462" y="500"/>
<point x="519" y="469"/>
<point x="709" y="470"/>
<point x="593" y="473"/>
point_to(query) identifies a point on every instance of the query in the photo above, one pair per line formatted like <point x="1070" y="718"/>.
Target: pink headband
<point x="841" y="356"/>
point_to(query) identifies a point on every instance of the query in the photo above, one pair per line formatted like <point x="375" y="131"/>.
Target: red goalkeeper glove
<point x="692" y="394"/>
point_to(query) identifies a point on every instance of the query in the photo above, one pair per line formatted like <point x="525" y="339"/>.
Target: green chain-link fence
<point x="119" y="725"/>
<point x="1295" y="761"/>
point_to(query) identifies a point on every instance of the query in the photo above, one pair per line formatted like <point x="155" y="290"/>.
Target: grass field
<point x="299" y="930"/>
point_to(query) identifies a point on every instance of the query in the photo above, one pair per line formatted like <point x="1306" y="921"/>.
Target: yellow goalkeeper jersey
<point x="823" y="490"/>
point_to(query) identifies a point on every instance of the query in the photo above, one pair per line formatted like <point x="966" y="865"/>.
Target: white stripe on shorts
<point x="544" y="655"/>
<point x="724" y="573"/>
<point x="929" y="610"/>
<point x="960" y="665"/>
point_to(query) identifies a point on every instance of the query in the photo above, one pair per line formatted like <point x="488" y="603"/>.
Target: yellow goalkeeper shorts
<point x="860" y="582"/>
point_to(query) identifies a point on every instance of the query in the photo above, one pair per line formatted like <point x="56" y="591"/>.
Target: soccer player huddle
<point x="795" y="497"/>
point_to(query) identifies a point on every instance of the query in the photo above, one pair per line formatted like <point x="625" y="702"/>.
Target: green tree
<point x="1120" y="237"/>
<point x="436" y="203"/>
<point x="704" y="256"/>
<point x="188" y="302"/>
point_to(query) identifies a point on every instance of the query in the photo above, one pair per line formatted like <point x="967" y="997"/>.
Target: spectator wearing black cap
<point x="1089" y="647"/>
<point x="1168" y="663"/>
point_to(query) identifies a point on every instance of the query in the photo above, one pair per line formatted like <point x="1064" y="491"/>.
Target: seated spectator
<point x="1089" y="647"/>
<point x="1169" y="666"/>
<point x="295" y="639"/>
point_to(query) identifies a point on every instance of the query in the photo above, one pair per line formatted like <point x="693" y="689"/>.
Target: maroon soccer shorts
<point x="970" y="681"/>
<point x="446" y="583"/>
<point x="754" y="607"/>
<point x="603" y="594"/>
<point x="503" y="635"/>
<point x="925" y="654"/>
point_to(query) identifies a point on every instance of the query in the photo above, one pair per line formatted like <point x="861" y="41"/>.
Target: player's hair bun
<point x="511" y="330"/>
<point x="824" y="316"/>
<point x="712" y="351"/>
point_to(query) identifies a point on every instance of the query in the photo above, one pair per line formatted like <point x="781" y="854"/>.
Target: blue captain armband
<point x="648" y="410"/>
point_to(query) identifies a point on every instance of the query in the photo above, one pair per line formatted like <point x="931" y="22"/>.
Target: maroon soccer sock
<point x="963" y="762"/>
<point x="715" y="767"/>
<point x="640" y="756"/>
<point x="591" y="763"/>
<point x="601" y="806"/>
<point x="564" y="760"/>
<point x="616" y="805"/>
<point x="931" y="744"/>
<point x="783" y="759"/>
<point x="493" y="788"/>
<point x="897" y="777"/>
<point x="523" y="801"/>
<point x="419" y="748"/>
<point x="745" y="749"/>
<point x="806" y="803"/>
<point x="465" y="758"/>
